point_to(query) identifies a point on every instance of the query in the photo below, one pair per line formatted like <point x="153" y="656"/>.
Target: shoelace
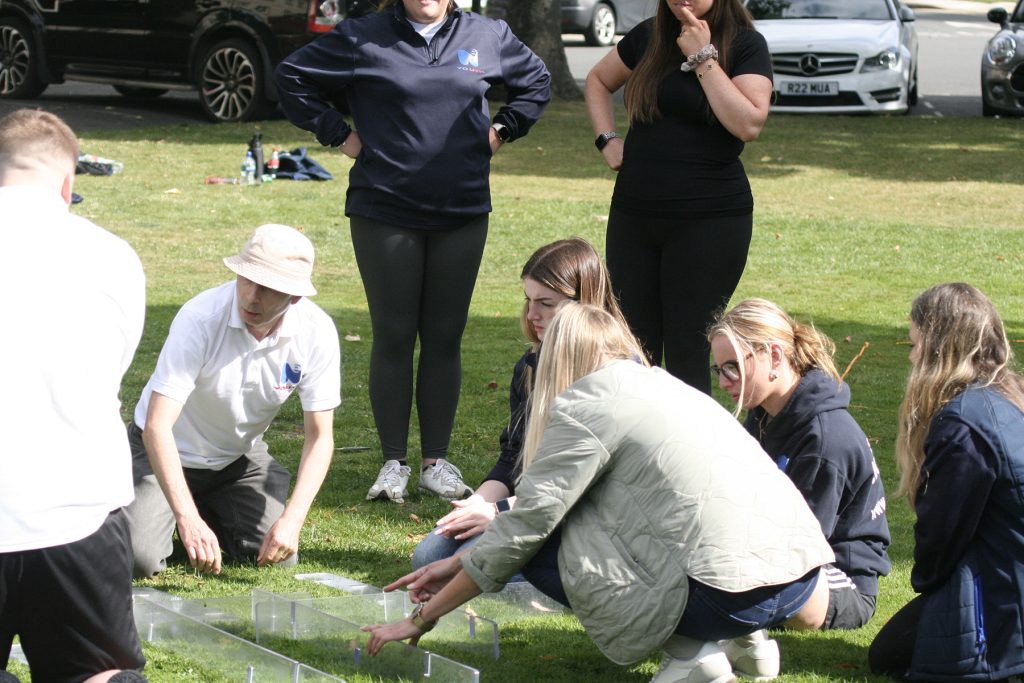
<point x="391" y="474"/>
<point x="448" y="473"/>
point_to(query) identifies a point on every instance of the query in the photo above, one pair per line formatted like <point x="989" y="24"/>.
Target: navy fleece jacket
<point x="419" y="109"/>
<point x="831" y="463"/>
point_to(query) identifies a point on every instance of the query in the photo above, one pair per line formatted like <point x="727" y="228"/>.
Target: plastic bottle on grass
<point x="248" y="170"/>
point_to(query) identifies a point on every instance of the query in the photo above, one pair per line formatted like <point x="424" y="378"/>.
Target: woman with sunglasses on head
<point x="636" y="508"/>
<point x="960" y="452"/>
<point x="566" y="270"/>
<point x="697" y="84"/>
<point x="782" y="373"/>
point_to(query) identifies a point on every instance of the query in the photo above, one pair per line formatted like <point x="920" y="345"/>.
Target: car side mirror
<point x="998" y="15"/>
<point x="906" y="14"/>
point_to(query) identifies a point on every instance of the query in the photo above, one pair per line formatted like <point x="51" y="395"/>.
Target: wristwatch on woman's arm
<point x="418" y="621"/>
<point x="604" y="138"/>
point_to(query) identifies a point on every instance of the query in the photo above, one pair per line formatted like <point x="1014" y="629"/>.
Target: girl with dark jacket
<point x="781" y="371"/>
<point x="415" y="75"/>
<point x="566" y="270"/>
<point x="960" y="451"/>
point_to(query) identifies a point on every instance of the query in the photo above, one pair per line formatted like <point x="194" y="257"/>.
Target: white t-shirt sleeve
<point x="320" y="388"/>
<point x="181" y="358"/>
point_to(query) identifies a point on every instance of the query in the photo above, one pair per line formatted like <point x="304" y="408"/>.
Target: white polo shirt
<point x="231" y="385"/>
<point x="73" y="312"/>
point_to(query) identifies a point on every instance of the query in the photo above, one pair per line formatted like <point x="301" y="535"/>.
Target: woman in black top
<point x="698" y="84"/>
<point x="561" y="271"/>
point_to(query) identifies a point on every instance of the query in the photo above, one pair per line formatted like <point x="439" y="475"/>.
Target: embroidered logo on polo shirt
<point x="470" y="61"/>
<point x="290" y="376"/>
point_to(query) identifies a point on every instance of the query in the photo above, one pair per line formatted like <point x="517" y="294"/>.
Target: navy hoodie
<point x="823" y="450"/>
<point x="419" y="108"/>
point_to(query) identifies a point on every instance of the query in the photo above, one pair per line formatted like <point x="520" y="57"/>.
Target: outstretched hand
<point x="693" y="35"/>
<point x="382" y="634"/>
<point x="426" y="582"/>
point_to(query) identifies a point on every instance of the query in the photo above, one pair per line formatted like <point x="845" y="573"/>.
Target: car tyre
<point x="912" y="96"/>
<point x="601" y="30"/>
<point x="987" y="109"/>
<point x="230" y="81"/>
<point x="136" y="91"/>
<point x="19" y="57"/>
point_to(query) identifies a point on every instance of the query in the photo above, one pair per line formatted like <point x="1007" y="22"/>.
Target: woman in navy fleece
<point x="960" y="451"/>
<point x="414" y="75"/>
<point x="782" y="372"/>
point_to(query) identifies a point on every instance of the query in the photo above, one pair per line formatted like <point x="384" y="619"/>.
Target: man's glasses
<point x="730" y="369"/>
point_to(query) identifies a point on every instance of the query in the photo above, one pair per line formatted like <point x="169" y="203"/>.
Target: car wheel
<point x="912" y="93"/>
<point x="19" y="77"/>
<point x="134" y="91"/>
<point x="231" y="82"/>
<point x="601" y="31"/>
<point x="987" y="109"/>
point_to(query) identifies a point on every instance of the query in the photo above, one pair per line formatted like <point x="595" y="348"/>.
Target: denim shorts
<point x="714" y="614"/>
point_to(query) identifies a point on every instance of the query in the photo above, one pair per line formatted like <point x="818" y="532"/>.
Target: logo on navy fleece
<point x="290" y="376"/>
<point x="470" y="61"/>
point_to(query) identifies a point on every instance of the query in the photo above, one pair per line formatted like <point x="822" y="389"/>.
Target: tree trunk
<point x="538" y="23"/>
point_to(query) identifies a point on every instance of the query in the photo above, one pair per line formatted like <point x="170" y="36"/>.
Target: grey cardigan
<point x="654" y="482"/>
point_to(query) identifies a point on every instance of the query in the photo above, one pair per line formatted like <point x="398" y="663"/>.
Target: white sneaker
<point x="753" y="656"/>
<point x="443" y="479"/>
<point x="391" y="482"/>
<point x="709" y="665"/>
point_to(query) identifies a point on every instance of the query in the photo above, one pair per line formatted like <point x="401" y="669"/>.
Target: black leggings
<point x="418" y="284"/>
<point x="892" y="649"/>
<point x="671" y="275"/>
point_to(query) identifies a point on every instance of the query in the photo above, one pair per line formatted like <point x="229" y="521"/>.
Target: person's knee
<point x="147" y="564"/>
<point x="430" y="549"/>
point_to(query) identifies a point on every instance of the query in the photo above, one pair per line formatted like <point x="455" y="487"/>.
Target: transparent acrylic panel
<point x="338" y="645"/>
<point x="341" y="583"/>
<point x="462" y="629"/>
<point x="216" y="651"/>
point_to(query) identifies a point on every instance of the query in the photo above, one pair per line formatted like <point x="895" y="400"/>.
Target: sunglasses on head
<point x="730" y="369"/>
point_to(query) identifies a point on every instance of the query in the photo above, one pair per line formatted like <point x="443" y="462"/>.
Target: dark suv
<point x="225" y="49"/>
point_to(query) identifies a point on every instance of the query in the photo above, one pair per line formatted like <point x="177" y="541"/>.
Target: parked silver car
<point x="840" y="56"/>
<point x="1002" y="65"/>
<point x="601" y="20"/>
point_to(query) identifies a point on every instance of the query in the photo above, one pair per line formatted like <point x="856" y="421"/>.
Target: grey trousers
<point x="239" y="503"/>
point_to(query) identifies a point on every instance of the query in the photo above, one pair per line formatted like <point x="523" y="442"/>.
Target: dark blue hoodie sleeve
<point x="506" y="470"/>
<point x="822" y="485"/>
<point x="528" y="83"/>
<point x="957" y="476"/>
<point x="309" y="80"/>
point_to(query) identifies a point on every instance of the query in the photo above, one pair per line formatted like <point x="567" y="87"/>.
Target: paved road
<point x="952" y="35"/>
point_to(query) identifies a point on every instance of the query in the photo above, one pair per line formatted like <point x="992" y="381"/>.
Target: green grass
<point x="854" y="217"/>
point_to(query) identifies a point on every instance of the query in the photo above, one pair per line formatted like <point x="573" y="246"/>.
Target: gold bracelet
<point x="711" y="63"/>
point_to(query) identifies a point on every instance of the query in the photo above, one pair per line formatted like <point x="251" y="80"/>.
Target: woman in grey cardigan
<point x="647" y="509"/>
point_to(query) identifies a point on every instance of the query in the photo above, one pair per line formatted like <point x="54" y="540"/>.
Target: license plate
<point x="813" y="88"/>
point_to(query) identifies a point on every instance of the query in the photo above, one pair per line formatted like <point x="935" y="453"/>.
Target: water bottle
<point x="248" y="169"/>
<point x="256" y="147"/>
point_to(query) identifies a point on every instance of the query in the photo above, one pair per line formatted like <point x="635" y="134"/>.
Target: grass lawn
<point x="854" y="217"/>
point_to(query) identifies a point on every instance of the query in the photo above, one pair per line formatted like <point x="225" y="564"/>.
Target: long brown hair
<point x="573" y="268"/>
<point x="962" y="343"/>
<point x="725" y="18"/>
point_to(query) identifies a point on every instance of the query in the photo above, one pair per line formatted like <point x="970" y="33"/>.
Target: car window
<point x="820" y="9"/>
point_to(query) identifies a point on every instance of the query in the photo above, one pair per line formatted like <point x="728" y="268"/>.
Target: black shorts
<point x="848" y="608"/>
<point x="71" y="605"/>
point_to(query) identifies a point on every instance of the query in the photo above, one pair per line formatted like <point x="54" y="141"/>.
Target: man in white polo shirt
<point x="233" y="355"/>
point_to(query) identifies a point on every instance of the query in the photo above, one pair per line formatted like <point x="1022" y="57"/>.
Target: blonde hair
<point x="31" y="139"/>
<point x="581" y="339"/>
<point x="755" y="324"/>
<point x="961" y="343"/>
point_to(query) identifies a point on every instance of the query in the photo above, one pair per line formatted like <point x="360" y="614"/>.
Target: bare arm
<point x="740" y="104"/>
<point x="199" y="540"/>
<point x="607" y="76"/>
<point x="282" y="541"/>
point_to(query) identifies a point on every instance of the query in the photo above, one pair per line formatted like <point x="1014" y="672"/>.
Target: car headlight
<point x="1002" y="48"/>
<point x="886" y="59"/>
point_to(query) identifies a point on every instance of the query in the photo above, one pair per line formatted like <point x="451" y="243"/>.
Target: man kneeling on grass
<point x="234" y="354"/>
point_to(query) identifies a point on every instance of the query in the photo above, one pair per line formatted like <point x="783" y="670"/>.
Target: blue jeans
<point x="710" y="613"/>
<point x="433" y="548"/>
